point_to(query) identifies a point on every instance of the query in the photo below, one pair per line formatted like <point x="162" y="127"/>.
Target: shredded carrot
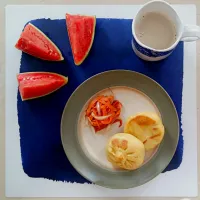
<point x="108" y="106"/>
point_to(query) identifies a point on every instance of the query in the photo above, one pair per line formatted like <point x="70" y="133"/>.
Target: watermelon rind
<point x="51" y="73"/>
<point x="87" y="52"/>
<point x="50" y="41"/>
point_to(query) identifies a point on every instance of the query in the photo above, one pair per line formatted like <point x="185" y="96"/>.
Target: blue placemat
<point x="39" y="120"/>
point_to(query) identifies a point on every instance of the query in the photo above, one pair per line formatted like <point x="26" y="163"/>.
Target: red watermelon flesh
<point x="81" y="30"/>
<point x="37" y="84"/>
<point x="34" y="42"/>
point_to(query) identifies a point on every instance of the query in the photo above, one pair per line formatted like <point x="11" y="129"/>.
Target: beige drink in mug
<point x="157" y="29"/>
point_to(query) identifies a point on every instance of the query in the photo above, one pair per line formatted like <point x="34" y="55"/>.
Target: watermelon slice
<point x="34" y="42"/>
<point x="37" y="84"/>
<point x="81" y="31"/>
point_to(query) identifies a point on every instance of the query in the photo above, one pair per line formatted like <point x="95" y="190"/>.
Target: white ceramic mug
<point x="186" y="33"/>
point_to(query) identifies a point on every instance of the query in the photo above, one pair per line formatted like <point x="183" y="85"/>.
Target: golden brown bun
<point x="147" y="127"/>
<point x="125" y="151"/>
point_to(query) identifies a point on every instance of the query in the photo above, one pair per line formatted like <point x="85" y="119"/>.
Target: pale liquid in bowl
<point x="155" y="30"/>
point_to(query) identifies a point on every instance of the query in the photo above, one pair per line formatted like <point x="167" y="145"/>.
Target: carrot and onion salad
<point x="103" y="111"/>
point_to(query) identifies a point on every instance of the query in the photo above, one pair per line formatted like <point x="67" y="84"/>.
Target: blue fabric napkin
<point x="39" y="119"/>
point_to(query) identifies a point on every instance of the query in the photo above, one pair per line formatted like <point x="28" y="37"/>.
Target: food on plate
<point x="125" y="151"/>
<point x="103" y="111"/>
<point x="147" y="127"/>
<point x="81" y="30"/>
<point x="37" y="84"/>
<point x="34" y="42"/>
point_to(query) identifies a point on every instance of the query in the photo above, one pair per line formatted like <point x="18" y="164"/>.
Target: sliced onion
<point x="98" y="108"/>
<point x="100" y="117"/>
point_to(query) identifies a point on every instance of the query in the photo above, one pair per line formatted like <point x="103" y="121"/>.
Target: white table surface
<point x="2" y="69"/>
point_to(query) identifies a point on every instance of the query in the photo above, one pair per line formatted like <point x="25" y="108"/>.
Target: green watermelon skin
<point x="34" y="42"/>
<point x="81" y="31"/>
<point x="38" y="84"/>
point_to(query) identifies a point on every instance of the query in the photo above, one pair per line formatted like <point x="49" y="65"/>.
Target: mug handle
<point x="190" y="33"/>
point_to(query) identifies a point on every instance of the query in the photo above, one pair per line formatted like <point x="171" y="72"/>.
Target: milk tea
<point x="155" y="30"/>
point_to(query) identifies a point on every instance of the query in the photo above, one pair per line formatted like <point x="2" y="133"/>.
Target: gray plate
<point x="122" y="179"/>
